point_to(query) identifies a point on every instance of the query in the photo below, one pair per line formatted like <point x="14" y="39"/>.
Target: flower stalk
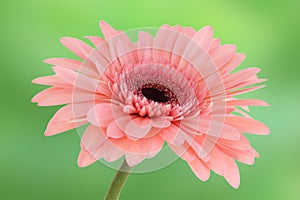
<point x="115" y="188"/>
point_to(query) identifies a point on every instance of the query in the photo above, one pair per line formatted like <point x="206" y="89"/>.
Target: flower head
<point x="175" y="87"/>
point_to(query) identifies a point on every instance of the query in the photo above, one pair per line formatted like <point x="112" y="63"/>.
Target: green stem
<point x="115" y="188"/>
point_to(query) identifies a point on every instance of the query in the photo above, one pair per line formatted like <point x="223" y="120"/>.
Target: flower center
<point x="157" y="93"/>
<point x="157" y="84"/>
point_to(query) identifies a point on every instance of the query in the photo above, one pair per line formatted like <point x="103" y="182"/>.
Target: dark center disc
<point x="158" y="93"/>
<point x="155" y="94"/>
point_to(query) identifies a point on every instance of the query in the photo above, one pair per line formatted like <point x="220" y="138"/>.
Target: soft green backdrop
<point x="35" y="167"/>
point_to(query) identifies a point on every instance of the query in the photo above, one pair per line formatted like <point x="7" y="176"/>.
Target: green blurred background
<point x="35" y="167"/>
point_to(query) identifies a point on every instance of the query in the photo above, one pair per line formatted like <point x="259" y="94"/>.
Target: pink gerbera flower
<point x="175" y="88"/>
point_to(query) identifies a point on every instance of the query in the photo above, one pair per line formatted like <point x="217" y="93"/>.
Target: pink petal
<point x="184" y="151"/>
<point x="144" y="46"/>
<point x="74" y="111"/>
<point x="173" y="135"/>
<point x="198" y="144"/>
<point x="141" y="146"/>
<point x="125" y="53"/>
<point x="247" y="125"/>
<point x="204" y="37"/>
<point x="217" y="162"/>
<point x="242" y="143"/>
<point x="254" y="152"/>
<point x="53" y="80"/>
<point x="138" y="127"/>
<point x="64" y="62"/>
<point x="211" y="128"/>
<point x="106" y="29"/>
<point x="101" y="57"/>
<point x="243" y="113"/>
<point x="232" y="174"/>
<point x="244" y="156"/>
<point x="87" y="67"/>
<point x="246" y="102"/>
<point x="53" y="96"/>
<point x="85" y="159"/>
<point x="110" y="152"/>
<point x="246" y="84"/>
<point x="152" y="145"/>
<point x="236" y="90"/>
<point x="96" y="40"/>
<point x="200" y="169"/>
<point x="104" y="89"/>
<point x="240" y="77"/>
<point x="173" y="41"/>
<point x="223" y="54"/>
<point x="134" y="159"/>
<point x="80" y="110"/>
<point x="92" y="138"/>
<point x="122" y="121"/>
<point x="77" y="79"/>
<point x="103" y="114"/>
<point x="189" y="31"/>
<point x="114" y="131"/>
<point x="117" y="47"/>
<point x="163" y="43"/>
<point x="153" y="132"/>
<point x="78" y="47"/>
<point x="242" y="91"/>
<point x="215" y="43"/>
<point x="160" y="122"/>
<point x="197" y="55"/>
<point x="238" y="80"/>
<point x="180" y="45"/>
<point x="56" y="125"/>
<point x="234" y="62"/>
<point x="57" y="96"/>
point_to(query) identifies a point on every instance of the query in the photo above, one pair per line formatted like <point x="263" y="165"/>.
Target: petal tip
<point x="35" y="98"/>
<point x="235" y="186"/>
<point x="47" y="61"/>
<point x="209" y="29"/>
<point x="102" y="22"/>
<point x="48" y="133"/>
<point x="103" y="25"/>
<point x="85" y="159"/>
<point x="36" y="80"/>
<point x="64" y="39"/>
<point x="242" y="56"/>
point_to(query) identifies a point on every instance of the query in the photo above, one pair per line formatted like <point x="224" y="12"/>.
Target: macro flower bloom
<point x="175" y="88"/>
